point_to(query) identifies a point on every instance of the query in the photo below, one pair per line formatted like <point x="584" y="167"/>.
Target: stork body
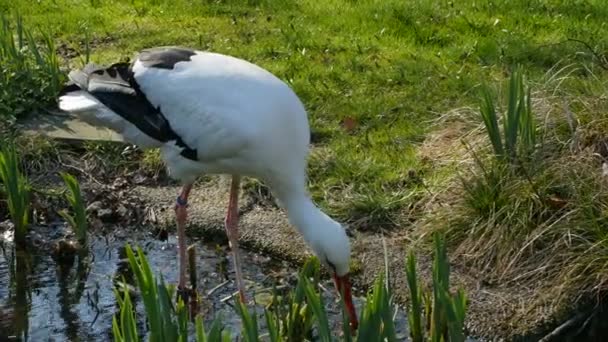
<point x="214" y="114"/>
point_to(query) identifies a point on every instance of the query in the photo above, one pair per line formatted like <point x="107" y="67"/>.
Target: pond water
<point x="44" y="300"/>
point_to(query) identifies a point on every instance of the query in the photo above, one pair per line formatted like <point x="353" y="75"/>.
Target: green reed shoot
<point x="157" y="301"/>
<point x="299" y="319"/>
<point x="415" y="314"/>
<point x="376" y="322"/>
<point x="273" y="327"/>
<point x="249" y="321"/>
<point x="125" y="328"/>
<point x="165" y="321"/>
<point x="293" y="316"/>
<point x="443" y="312"/>
<point x="78" y="221"/>
<point x="289" y="317"/>
<point x="318" y="309"/>
<point x="215" y="332"/>
<point x="518" y="122"/>
<point x="17" y="190"/>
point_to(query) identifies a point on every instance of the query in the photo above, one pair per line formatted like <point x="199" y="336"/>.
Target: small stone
<point x="119" y="183"/>
<point x="7" y="225"/>
<point x="139" y="179"/>
<point x="95" y="223"/>
<point x="95" y="206"/>
<point x="104" y="214"/>
<point x="65" y="250"/>
<point x="122" y="211"/>
<point x="264" y="298"/>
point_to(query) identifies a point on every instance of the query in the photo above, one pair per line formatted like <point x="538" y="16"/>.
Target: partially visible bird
<point x="214" y="114"/>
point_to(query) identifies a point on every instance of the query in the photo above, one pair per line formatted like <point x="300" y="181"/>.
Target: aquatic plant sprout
<point x="16" y="189"/>
<point x="78" y="221"/>
<point x="303" y="316"/>
<point x="519" y="126"/>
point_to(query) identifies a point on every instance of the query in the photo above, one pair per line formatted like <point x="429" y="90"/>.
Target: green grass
<point x="391" y="66"/>
<point x="166" y="321"/>
<point x="295" y="318"/>
<point x="519" y="123"/>
<point x="29" y="68"/>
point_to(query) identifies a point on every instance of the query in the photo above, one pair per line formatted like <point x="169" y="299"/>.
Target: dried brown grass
<point x="549" y="236"/>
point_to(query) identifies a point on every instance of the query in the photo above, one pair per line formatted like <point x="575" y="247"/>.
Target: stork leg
<point x="181" y="215"/>
<point x="232" y="230"/>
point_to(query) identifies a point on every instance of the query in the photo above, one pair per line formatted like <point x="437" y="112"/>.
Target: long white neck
<point x="326" y="237"/>
<point x="304" y="215"/>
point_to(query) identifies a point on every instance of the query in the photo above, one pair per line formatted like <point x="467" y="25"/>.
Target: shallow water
<point x="43" y="300"/>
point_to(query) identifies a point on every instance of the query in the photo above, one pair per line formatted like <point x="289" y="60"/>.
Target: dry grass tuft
<point x="544" y="229"/>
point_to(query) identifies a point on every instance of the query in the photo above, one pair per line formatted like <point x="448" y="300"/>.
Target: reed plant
<point x="300" y="314"/>
<point x="518" y="138"/>
<point x="17" y="192"/>
<point x="442" y="312"/>
<point x="77" y="220"/>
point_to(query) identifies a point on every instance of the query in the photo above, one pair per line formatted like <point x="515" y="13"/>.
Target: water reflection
<point x="47" y="299"/>
<point x="20" y="293"/>
<point x="71" y="282"/>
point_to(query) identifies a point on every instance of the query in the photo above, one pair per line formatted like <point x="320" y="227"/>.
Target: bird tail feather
<point x="76" y="99"/>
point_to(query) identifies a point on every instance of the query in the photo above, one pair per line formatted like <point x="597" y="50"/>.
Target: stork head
<point x="327" y="239"/>
<point x="332" y="247"/>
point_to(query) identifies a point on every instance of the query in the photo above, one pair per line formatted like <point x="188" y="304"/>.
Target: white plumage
<point x="239" y="118"/>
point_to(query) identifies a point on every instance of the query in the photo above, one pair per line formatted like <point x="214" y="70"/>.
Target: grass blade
<point x="200" y="329"/>
<point x="126" y="330"/>
<point x="145" y="282"/>
<point x="272" y="326"/>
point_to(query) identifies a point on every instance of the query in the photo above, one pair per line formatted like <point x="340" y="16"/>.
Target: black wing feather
<point x="116" y="88"/>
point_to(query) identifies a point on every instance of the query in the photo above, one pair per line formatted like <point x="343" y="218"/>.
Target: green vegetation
<point x="29" y="73"/>
<point x="388" y="67"/>
<point x="78" y="221"/>
<point x="17" y="190"/>
<point x="389" y="87"/>
<point x="445" y="312"/>
<point x="295" y="319"/>
<point x="166" y="322"/>
<point x="519" y="122"/>
<point x="512" y="149"/>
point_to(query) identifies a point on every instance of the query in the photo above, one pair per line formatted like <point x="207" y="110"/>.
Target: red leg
<point x="181" y="215"/>
<point x="232" y="230"/>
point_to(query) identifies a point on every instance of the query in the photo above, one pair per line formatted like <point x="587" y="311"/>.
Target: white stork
<point x="214" y="114"/>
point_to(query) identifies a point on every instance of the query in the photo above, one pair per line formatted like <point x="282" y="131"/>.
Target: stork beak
<point x="343" y="286"/>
